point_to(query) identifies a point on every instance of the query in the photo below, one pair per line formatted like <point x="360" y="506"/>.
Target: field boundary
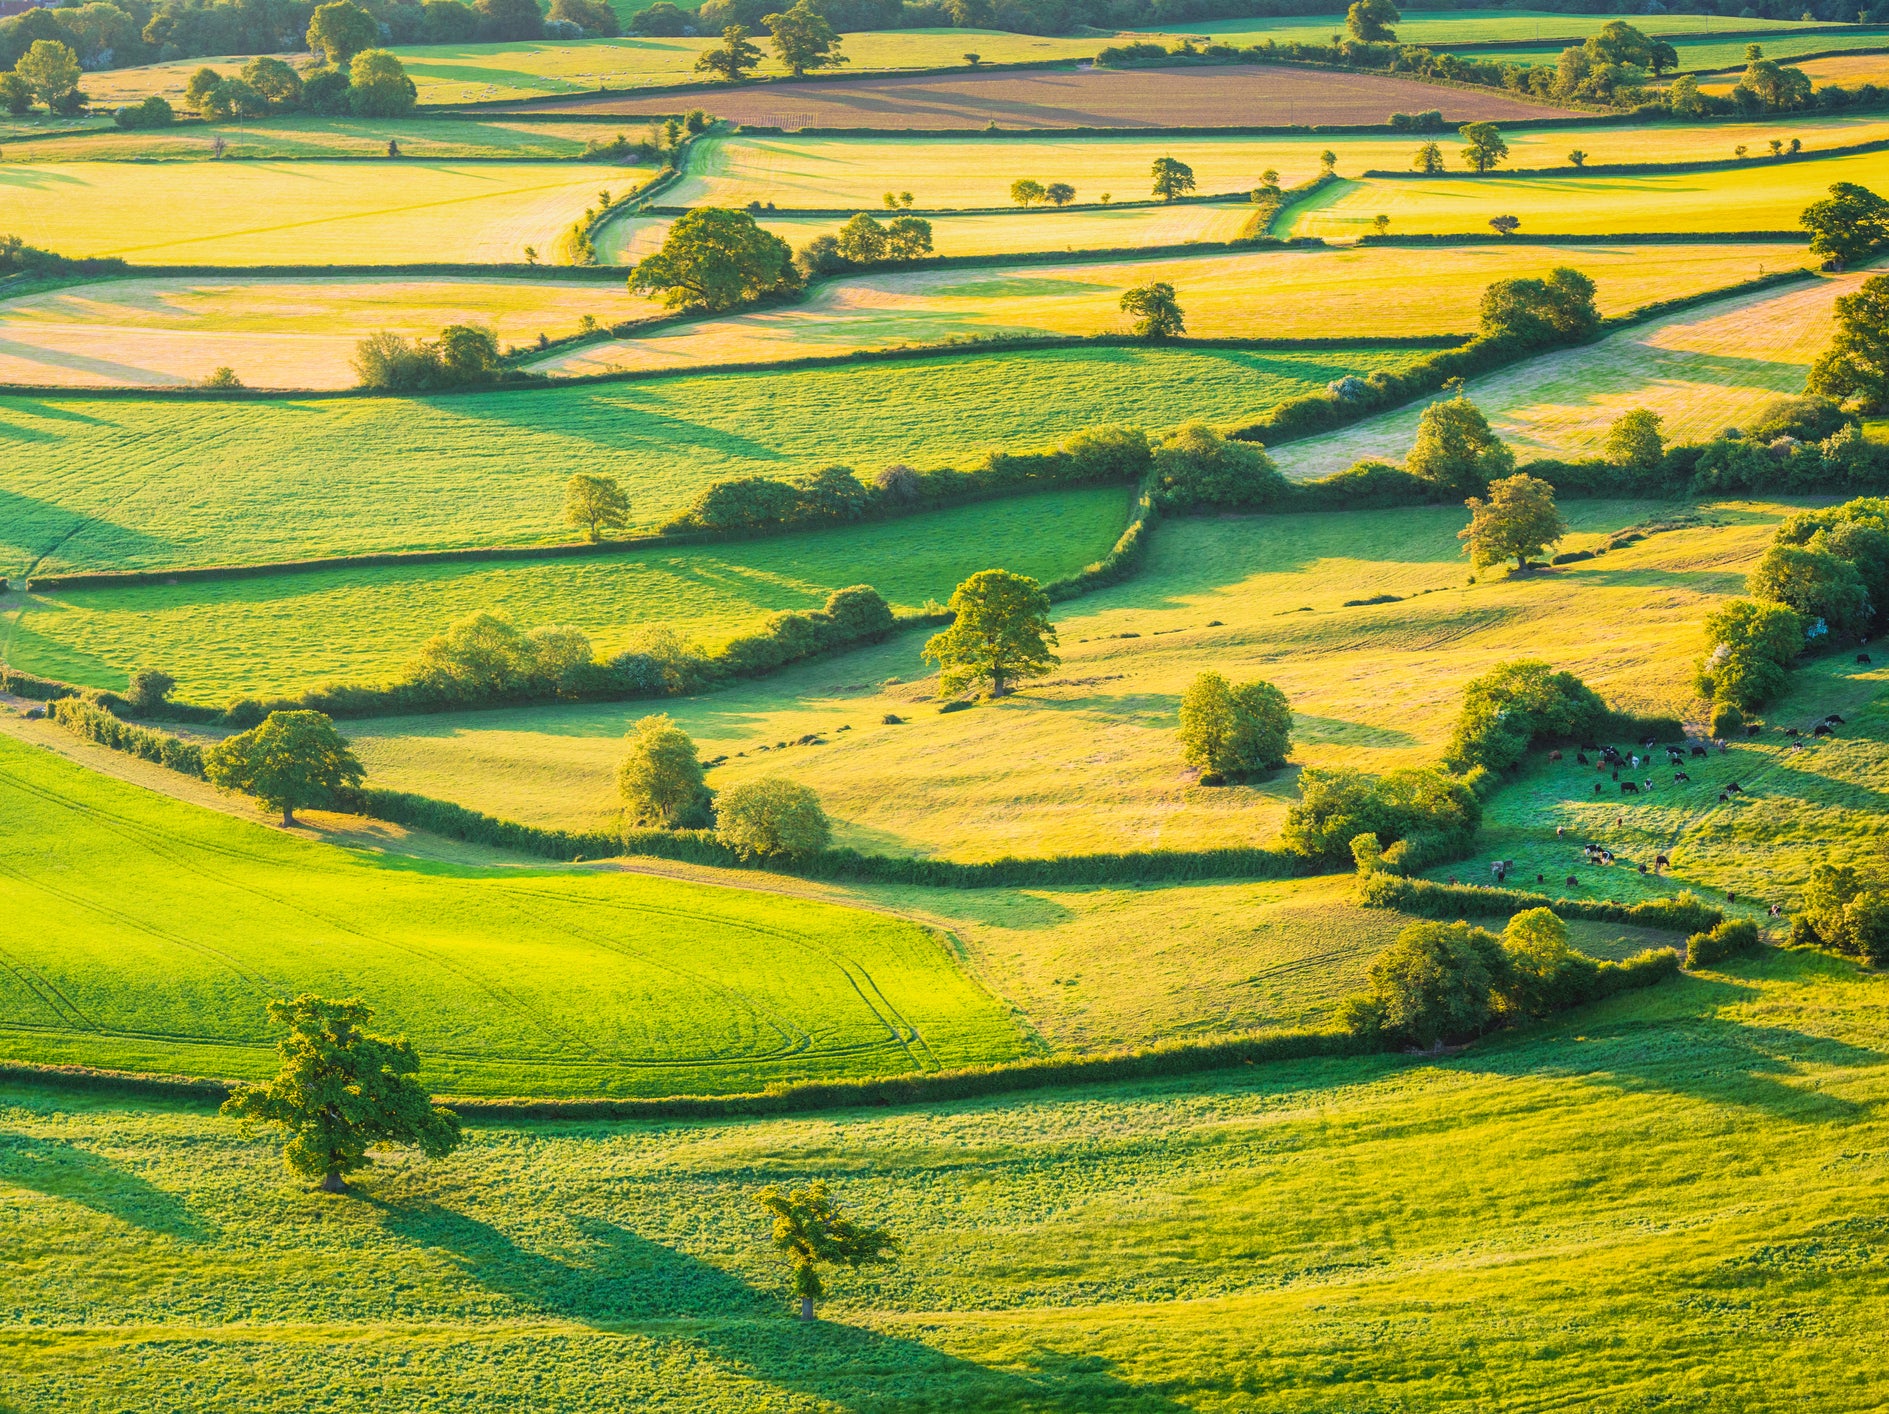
<point x="1628" y="169"/>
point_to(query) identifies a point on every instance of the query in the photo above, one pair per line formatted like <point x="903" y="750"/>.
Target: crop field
<point x="1444" y="29"/>
<point x="122" y="483"/>
<point x="1701" y="370"/>
<point x="1234" y="1241"/>
<point x="810" y="173"/>
<point x="304" y="135"/>
<point x="1093" y="746"/>
<point x="447" y="74"/>
<point x="545" y="982"/>
<point x="365" y="624"/>
<point x="273" y="333"/>
<point x="1278" y="294"/>
<point x="1071" y="98"/>
<point x="1849" y="70"/>
<point x="301" y="213"/>
<point x="1766" y="196"/>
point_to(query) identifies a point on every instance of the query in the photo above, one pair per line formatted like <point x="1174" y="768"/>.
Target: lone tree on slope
<point x="1519" y="521"/>
<point x="803" y="39"/>
<point x="288" y="761"/>
<point x="595" y="502"/>
<point x="340" y="1091"/>
<point x="1000" y="632"/>
<point x="1172" y="178"/>
<point x="811" y="1229"/>
<point x="733" y="57"/>
<point x="714" y="259"/>
<point x="1157" y="313"/>
<point x="1847" y="226"/>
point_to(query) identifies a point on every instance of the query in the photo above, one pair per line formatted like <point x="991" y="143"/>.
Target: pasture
<point x="127" y="483"/>
<point x="1320" y="293"/>
<point x="1444" y="29"/>
<point x="301" y="213"/>
<point x="1671" y="1198"/>
<point x="363" y="625"/>
<point x="1848" y="70"/>
<point x="273" y="333"/>
<point x="1701" y="370"/>
<point x="1092" y="750"/>
<point x="517" y="982"/>
<point x="305" y="135"/>
<point x="1766" y="195"/>
<point x="1713" y="48"/>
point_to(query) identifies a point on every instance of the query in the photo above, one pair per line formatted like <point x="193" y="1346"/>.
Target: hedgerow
<point x="94" y="723"/>
<point x="1681" y="913"/>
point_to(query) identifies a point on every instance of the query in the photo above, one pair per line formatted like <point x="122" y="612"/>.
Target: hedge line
<point x="1621" y="169"/>
<point x="1426" y="899"/>
<point x="1614" y="238"/>
<point x="83" y="719"/>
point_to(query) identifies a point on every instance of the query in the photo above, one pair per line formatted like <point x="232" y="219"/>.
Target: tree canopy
<point x="1484" y="145"/>
<point x="378" y="86"/>
<point x="51" y="70"/>
<point x="594" y="502"/>
<point x="771" y="816"/>
<point x="1000" y="632"/>
<point x="733" y="57"/>
<point x="803" y="39"/>
<point x="340" y="30"/>
<point x="660" y="780"/>
<point x="1157" y="313"/>
<point x="342" y="1090"/>
<point x="1456" y="450"/>
<point x="810" y="1228"/>
<point x="288" y="761"/>
<point x="715" y="259"/>
<point x="1847" y="226"/>
<point x="1172" y="178"/>
<point x="1557" y="310"/>
<point x="1370" y="21"/>
<point x="1233" y="730"/>
<point x="1519" y="521"/>
<point x="1855" y="368"/>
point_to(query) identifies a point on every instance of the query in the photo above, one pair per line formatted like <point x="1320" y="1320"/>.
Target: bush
<point x="1749" y="646"/>
<point x="772" y="816"/>
<point x="463" y="355"/>
<point x="1727" y="720"/>
<point x="154" y="112"/>
<point x="1437" y="982"/>
<point x="660" y="779"/>
<point x="1384" y="888"/>
<point x="1195" y="468"/>
<point x="1808" y="419"/>
<point x="1337" y="804"/>
<point x="1234" y="731"/>
<point x="1456" y="451"/>
<point x="149" y="689"/>
<point x="1515" y="706"/>
<point x="1734" y="935"/>
<point x="485" y="657"/>
<point x="1557" y="310"/>
<point x="1815" y="582"/>
<point x="1841" y="911"/>
<point x="83" y="718"/>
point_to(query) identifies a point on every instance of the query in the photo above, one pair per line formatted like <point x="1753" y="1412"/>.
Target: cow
<point x="1863" y="658"/>
<point x="1554" y="755"/>
<point x="1681" y="778"/>
<point x="1735" y="788"/>
<point x="1629" y="788"/>
<point x="1698" y="751"/>
<point x="1598" y="787"/>
<point x="1616" y="775"/>
<point x="1674" y="756"/>
<point x="1581" y="756"/>
<point x="1642" y="868"/>
<point x="1573" y="883"/>
<point x="1660" y="862"/>
<point x="1723" y="796"/>
<point x="1730" y="897"/>
<point x="1791" y="731"/>
<point x="1833" y="720"/>
<point x="1752" y="729"/>
<point x="1821" y="729"/>
<point x="1560" y="830"/>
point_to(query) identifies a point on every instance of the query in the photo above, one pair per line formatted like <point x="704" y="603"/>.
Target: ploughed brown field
<point x="1246" y="96"/>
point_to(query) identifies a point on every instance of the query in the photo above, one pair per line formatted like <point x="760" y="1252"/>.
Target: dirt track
<point x="1247" y="96"/>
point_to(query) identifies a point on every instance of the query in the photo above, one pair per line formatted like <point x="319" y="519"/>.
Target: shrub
<point x="1337" y="804"/>
<point x="464" y="354"/>
<point x="1455" y="449"/>
<point x="1195" y="467"/>
<point x="1816" y="583"/>
<point x="1841" y="911"/>
<point x="1234" y="731"/>
<point x="1734" y="935"/>
<point x="1110" y="452"/>
<point x="1515" y="705"/>
<point x="1557" y="310"/>
<point x="1809" y="419"/>
<point x="1727" y="720"/>
<point x="660" y="779"/>
<point x="833" y="494"/>
<point x="88" y="720"/>
<point x="1437" y="982"/>
<point x="153" y="112"/>
<point x="1749" y="645"/>
<point x="772" y="816"/>
<point x="484" y="657"/>
<point x="149" y="689"/>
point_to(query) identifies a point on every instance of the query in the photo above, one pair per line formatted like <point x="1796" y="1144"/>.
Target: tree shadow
<point x="62" y="1170"/>
<point x="626" y="1281"/>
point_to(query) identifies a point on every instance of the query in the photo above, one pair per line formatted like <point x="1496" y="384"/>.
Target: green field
<point x="273" y="333"/>
<point x="515" y="982"/>
<point x="1319" y="293"/>
<point x="1765" y="196"/>
<point x="481" y="73"/>
<point x="304" y="135"/>
<point x="301" y="213"/>
<point x="1702" y="370"/>
<point x="1668" y="1201"/>
<point x="364" y="625"/>
<point x="121" y="483"/>
<point x="1094" y="747"/>
<point x="1706" y="53"/>
<point x="1441" y="29"/>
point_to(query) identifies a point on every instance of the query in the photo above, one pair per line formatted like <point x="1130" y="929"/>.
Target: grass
<point x="1090" y="754"/>
<point x="479" y="73"/>
<point x="1320" y="293"/>
<point x="508" y="981"/>
<point x="274" y="333"/>
<point x="1767" y="196"/>
<point x="793" y="171"/>
<point x="1440" y="29"/>
<point x="1668" y="1200"/>
<point x="364" y="625"/>
<point x="304" y="135"/>
<point x="1714" y="53"/>
<point x="300" y="213"/>
<point x="125" y="483"/>
<point x="1847" y="70"/>
<point x="1701" y="370"/>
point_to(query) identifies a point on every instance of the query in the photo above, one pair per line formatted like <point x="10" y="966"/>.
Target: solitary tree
<point x="1157" y="315"/>
<point x="1558" y="309"/>
<point x="342" y="1090"/>
<point x="339" y="30"/>
<point x="1437" y="981"/>
<point x="733" y="57"/>
<point x="1233" y="731"/>
<point x="1429" y="159"/>
<point x="1485" y="147"/>
<point x="659" y="779"/>
<point x="1856" y="365"/>
<point x="803" y="39"/>
<point x="810" y="1228"/>
<point x="1171" y="178"/>
<point x="1578" y="158"/>
<point x="771" y="816"/>
<point x="1505" y="225"/>
<point x="1847" y="226"/>
<point x="595" y="502"/>
<point x="1634" y="442"/>
<point x="1059" y="193"/>
<point x="1380" y="225"/>
<point x="1026" y="191"/>
<point x="1000" y="632"/>
<point x="714" y="259"/>
<point x="149" y="689"/>
<point x="1519" y="521"/>
<point x="1456" y="450"/>
<point x="51" y="70"/>
<point x="1370" y="21"/>
<point x="288" y="761"/>
<point x="1327" y="162"/>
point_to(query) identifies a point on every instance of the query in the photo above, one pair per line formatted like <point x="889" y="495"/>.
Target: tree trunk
<point x="806" y="1308"/>
<point x="288" y="816"/>
<point x="333" y="1182"/>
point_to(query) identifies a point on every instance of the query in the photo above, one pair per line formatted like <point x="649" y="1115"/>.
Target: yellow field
<point x="296" y="213"/>
<point x="304" y="135"/>
<point x="474" y="73"/>
<point x="944" y="173"/>
<point x="1702" y="371"/>
<point x="273" y="333"/>
<point x="1848" y="70"/>
<point x="631" y="238"/>
<point x="1283" y="294"/>
<point x="1766" y="196"/>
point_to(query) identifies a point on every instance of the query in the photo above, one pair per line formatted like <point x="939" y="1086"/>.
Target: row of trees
<point x="802" y="39"/>
<point x="463" y="355"/>
<point x="371" y="83"/>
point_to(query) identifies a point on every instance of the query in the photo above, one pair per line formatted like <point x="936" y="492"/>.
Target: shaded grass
<point x="124" y="483"/>
<point x="308" y="135"/>
<point x="364" y="625"/>
<point x="548" y="982"/>
<point x="1668" y="1200"/>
